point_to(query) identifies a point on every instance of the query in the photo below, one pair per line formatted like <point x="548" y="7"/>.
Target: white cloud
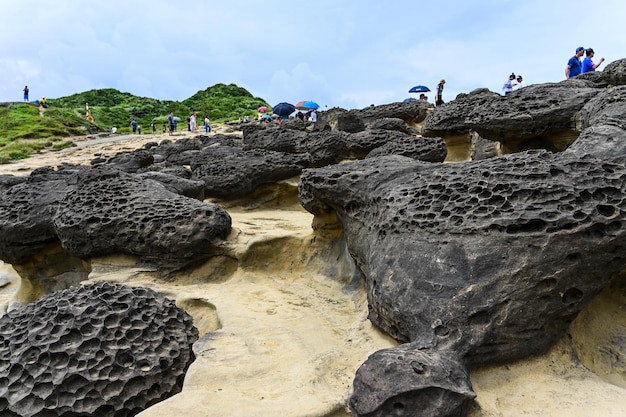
<point x="339" y="53"/>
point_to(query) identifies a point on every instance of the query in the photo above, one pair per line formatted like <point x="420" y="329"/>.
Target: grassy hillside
<point x="23" y="131"/>
<point x="111" y="107"/>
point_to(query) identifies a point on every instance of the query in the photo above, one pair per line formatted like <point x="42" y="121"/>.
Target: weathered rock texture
<point x="599" y="334"/>
<point x="490" y="260"/>
<point x="424" y="381"/>
<point x="104" y="350"/>
<point x="52" y="224"/>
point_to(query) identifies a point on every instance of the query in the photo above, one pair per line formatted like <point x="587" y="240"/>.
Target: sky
<point x="338" y="53"/>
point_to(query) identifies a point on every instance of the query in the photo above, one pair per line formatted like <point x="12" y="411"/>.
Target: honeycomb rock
<point x="491" y="260"/>
<point x="540" y="113"/>
<point x="422" y="148"/>
<point x="101" y="350"/>
<point x="101" y="210"/>
<point x="236" y="173"/>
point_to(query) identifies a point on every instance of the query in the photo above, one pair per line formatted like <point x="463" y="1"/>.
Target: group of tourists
<point x="515" y="82"/>
<point x="172" y="123"/>
<point x="576" y="67"/>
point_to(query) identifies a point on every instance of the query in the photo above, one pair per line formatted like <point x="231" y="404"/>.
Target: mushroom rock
<point x="490" y="260"/>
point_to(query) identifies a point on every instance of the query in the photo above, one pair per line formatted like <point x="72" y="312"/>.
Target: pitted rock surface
<point x="99" y="211"/>
<point x="107" y="211"/>
<point x="434" y="384"/>
<point x="608" y="107"/>
<point x="8" y="181"/>
<point x="422" y="148"/>
<point x="273" y="138"/>
<point x="325" y="147"/>
<point x="490" y="260"/>
<point x="128" y="161"/>
<point x="236" y="173"/>
<point x="176" y="184"/>
<point x="396" y="124"/>
<point x="26" y="211"/>
<point x="536" y="112"/>
<point x="356" y="120"/>
<point x="615" y="72"/>
<point x="103" y="350"/>
<point x="606" y="142"/>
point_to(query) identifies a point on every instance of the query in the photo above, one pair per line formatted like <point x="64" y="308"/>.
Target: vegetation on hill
<point x="110" y="107"/>
<point x="23" y="130"/>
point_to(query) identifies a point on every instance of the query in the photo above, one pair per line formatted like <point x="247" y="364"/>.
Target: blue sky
<point x="339" y="53"/>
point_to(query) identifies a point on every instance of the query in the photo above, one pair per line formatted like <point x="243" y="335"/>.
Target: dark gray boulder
<point x="490" y="260"/>
<point x="396" y="124"/>
<point x="607" y="107"/>
<point x="357" y="120"/>
<point x="421" y="148"/>
<point x="99" y="211"/>
<point x="538" y="116"/>
<point x="26" y="211"/>
<point x="606" y="142"/>
<point x="274" y="138"/>
<point x="7" y="181"/>
<point x="181" y="186"/>
<point x="103" y="350"/>
<point x="106" y="211"/>
<point x="233" y="173"/>
<point x="128" y="161"/>
<point x="424" y="382"/>
<point x="615" y="72"/>
<point x="604" y="121"/>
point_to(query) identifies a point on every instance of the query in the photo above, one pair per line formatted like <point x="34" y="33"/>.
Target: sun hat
<point x="580" y="48"/>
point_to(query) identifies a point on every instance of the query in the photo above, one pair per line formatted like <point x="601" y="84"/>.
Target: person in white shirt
<point x="313" y="118"/>
<point x="509" y="84"/>
<point x="520" y="82"/>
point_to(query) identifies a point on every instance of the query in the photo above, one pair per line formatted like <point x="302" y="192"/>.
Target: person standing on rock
<point x="439" y="94"/>
<point x="508" y="85"/>
<point x="588" y="65"/>
<point x="520" y="82"/>
<point x="207" y="124"/>
<point x="574" y="66"/>
<point x="26" y="92"/>
<point x="134" y="124"/>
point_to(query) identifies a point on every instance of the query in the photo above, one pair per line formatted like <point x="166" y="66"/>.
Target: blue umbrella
<point x="419" y="89"/>
<point x="283" y="109"/>
<point x="310" y="105"/>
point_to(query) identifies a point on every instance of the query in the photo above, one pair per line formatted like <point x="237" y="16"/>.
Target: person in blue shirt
<point x="574" y="66"/>
<point x="588" y="65"/>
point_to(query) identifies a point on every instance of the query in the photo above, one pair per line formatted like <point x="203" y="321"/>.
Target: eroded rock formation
<point x="79" y="213"/>
<point x="472" y="263"/>
<point x="104" y="350"/>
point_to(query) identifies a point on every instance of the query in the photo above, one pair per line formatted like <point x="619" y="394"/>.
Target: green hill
<point x="23" y="130"/>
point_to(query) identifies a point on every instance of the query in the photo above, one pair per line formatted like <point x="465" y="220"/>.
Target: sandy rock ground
<point x="284" y="330"/>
